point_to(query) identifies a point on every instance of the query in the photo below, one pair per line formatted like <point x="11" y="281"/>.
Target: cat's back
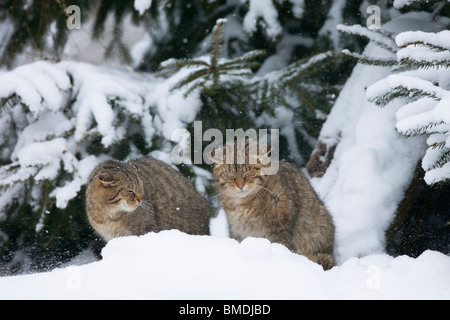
<point x="162" y="177"/>
<point x="298" y="189"/>
<point x="175" y="199"/>
<point x="293" y="179"/>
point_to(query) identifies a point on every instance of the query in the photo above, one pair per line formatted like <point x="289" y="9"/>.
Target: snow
<point x="83" y="169"/>
<point x="401" y="3"/>
<point x="6" y="31"/>
<point x="334" y="18"/>
<point x="95" y="86"/>
<point x="174" y="265"/>
<point x="298" y="8"/>
<point x="142" y="5"/>
<point x="82" y="46"/>
<point x="264" y="10"/>
<point x="439" y="39"/>
<point x="422" y="54"/>
<point x="175" y="109"/>
<point x="435" y="175"/>
<point x="407" y="82"/>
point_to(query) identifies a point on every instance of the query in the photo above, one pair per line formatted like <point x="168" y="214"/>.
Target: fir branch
<point x="194" y="76"/>
<point x="299" y="70"/>
<point x="430" y="46"/>
<point x="370" y="60"/>
<point x="436" y="41"/>
<point x="274" y="87"/>
<point x="209" y="72"/>
<point x="180" y="63"/>
<point x="443" y="159"/>
<point x="217" y="43"/>
<point x="438" y="145"/>
<point x="422" y="130"/>
<point x="246" y="59"/>
<point x="382" y="39"/>
<point x="304" y="97"/>
<point x="422" y="64"/>
<point x="402" y="92"/>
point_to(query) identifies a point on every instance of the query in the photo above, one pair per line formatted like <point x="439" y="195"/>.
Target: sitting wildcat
<point x="282" y="207"/>
<point x="143" y="195"/>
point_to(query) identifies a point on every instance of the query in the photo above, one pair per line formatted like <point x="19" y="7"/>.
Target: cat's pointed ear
<point x="106" y="179"/>
<point x="264" y="150"/>
<point x="263" y="155"/>
<point x="217" y="155"/>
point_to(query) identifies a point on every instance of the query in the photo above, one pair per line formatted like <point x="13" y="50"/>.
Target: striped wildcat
<point x="143" y="195"/>
<point x="281" y="207"/>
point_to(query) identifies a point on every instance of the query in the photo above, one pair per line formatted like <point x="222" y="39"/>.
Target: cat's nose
<point x="240" y="186"/>
<point x="139" y="198"/>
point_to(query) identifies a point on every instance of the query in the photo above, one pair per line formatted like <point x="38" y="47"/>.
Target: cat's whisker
<point x="216" y="195"/>
<point x="224" y="193"/>
<point x="147" y="205"/>
<point x="261" y="188"/>
<point x="259" y="195"/>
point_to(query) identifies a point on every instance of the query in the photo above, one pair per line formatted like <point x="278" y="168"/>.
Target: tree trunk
<point x="422" y="220"/>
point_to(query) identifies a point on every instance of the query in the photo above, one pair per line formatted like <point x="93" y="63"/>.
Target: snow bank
<point x="174" y="265"/>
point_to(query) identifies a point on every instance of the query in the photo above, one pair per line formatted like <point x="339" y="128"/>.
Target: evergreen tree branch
<point x="194" y="76"/>
<point x="216" y="44"/>
<point x="422" y="130"/>
<point x="382" y="39"/>
<point x="429" y="46"/>
<point x="370" y="60"/>
<point x="180" y="63"/>
<point x="423" y="64"/>
<point x="402" y="92"/>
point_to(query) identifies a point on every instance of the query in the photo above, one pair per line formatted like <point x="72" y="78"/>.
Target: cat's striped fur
<point x="143" y="195"/>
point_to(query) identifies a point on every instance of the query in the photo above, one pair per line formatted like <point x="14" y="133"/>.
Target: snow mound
<point x="174" y="265"/>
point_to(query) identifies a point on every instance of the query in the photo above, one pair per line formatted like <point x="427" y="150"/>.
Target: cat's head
<point x="245" y="174"/>
<point x="118" y="186"/>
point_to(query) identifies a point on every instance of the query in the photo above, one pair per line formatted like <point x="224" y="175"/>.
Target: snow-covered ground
<point x="174" y="265"/>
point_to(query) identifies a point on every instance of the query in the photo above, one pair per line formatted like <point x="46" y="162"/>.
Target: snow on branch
<point x="424" y="49"/>
<point x="38" y="86"/>
<point x="403" y="3"/>
<point x="439" y="41"/>
<point x="59" y="120"/>
<point x="381" y="38"/>
<point x="400" y="86"/>
<point x="426" y="96"/>
<point x="383" y="62"/>
<point x="264" y="13"/>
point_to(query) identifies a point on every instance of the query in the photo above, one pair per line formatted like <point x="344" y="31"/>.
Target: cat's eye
<point x="131" y="192"/>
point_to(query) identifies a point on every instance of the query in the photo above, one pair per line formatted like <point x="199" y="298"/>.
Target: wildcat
<point x="143" y="195"/>
<point x="282" y="207"/>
